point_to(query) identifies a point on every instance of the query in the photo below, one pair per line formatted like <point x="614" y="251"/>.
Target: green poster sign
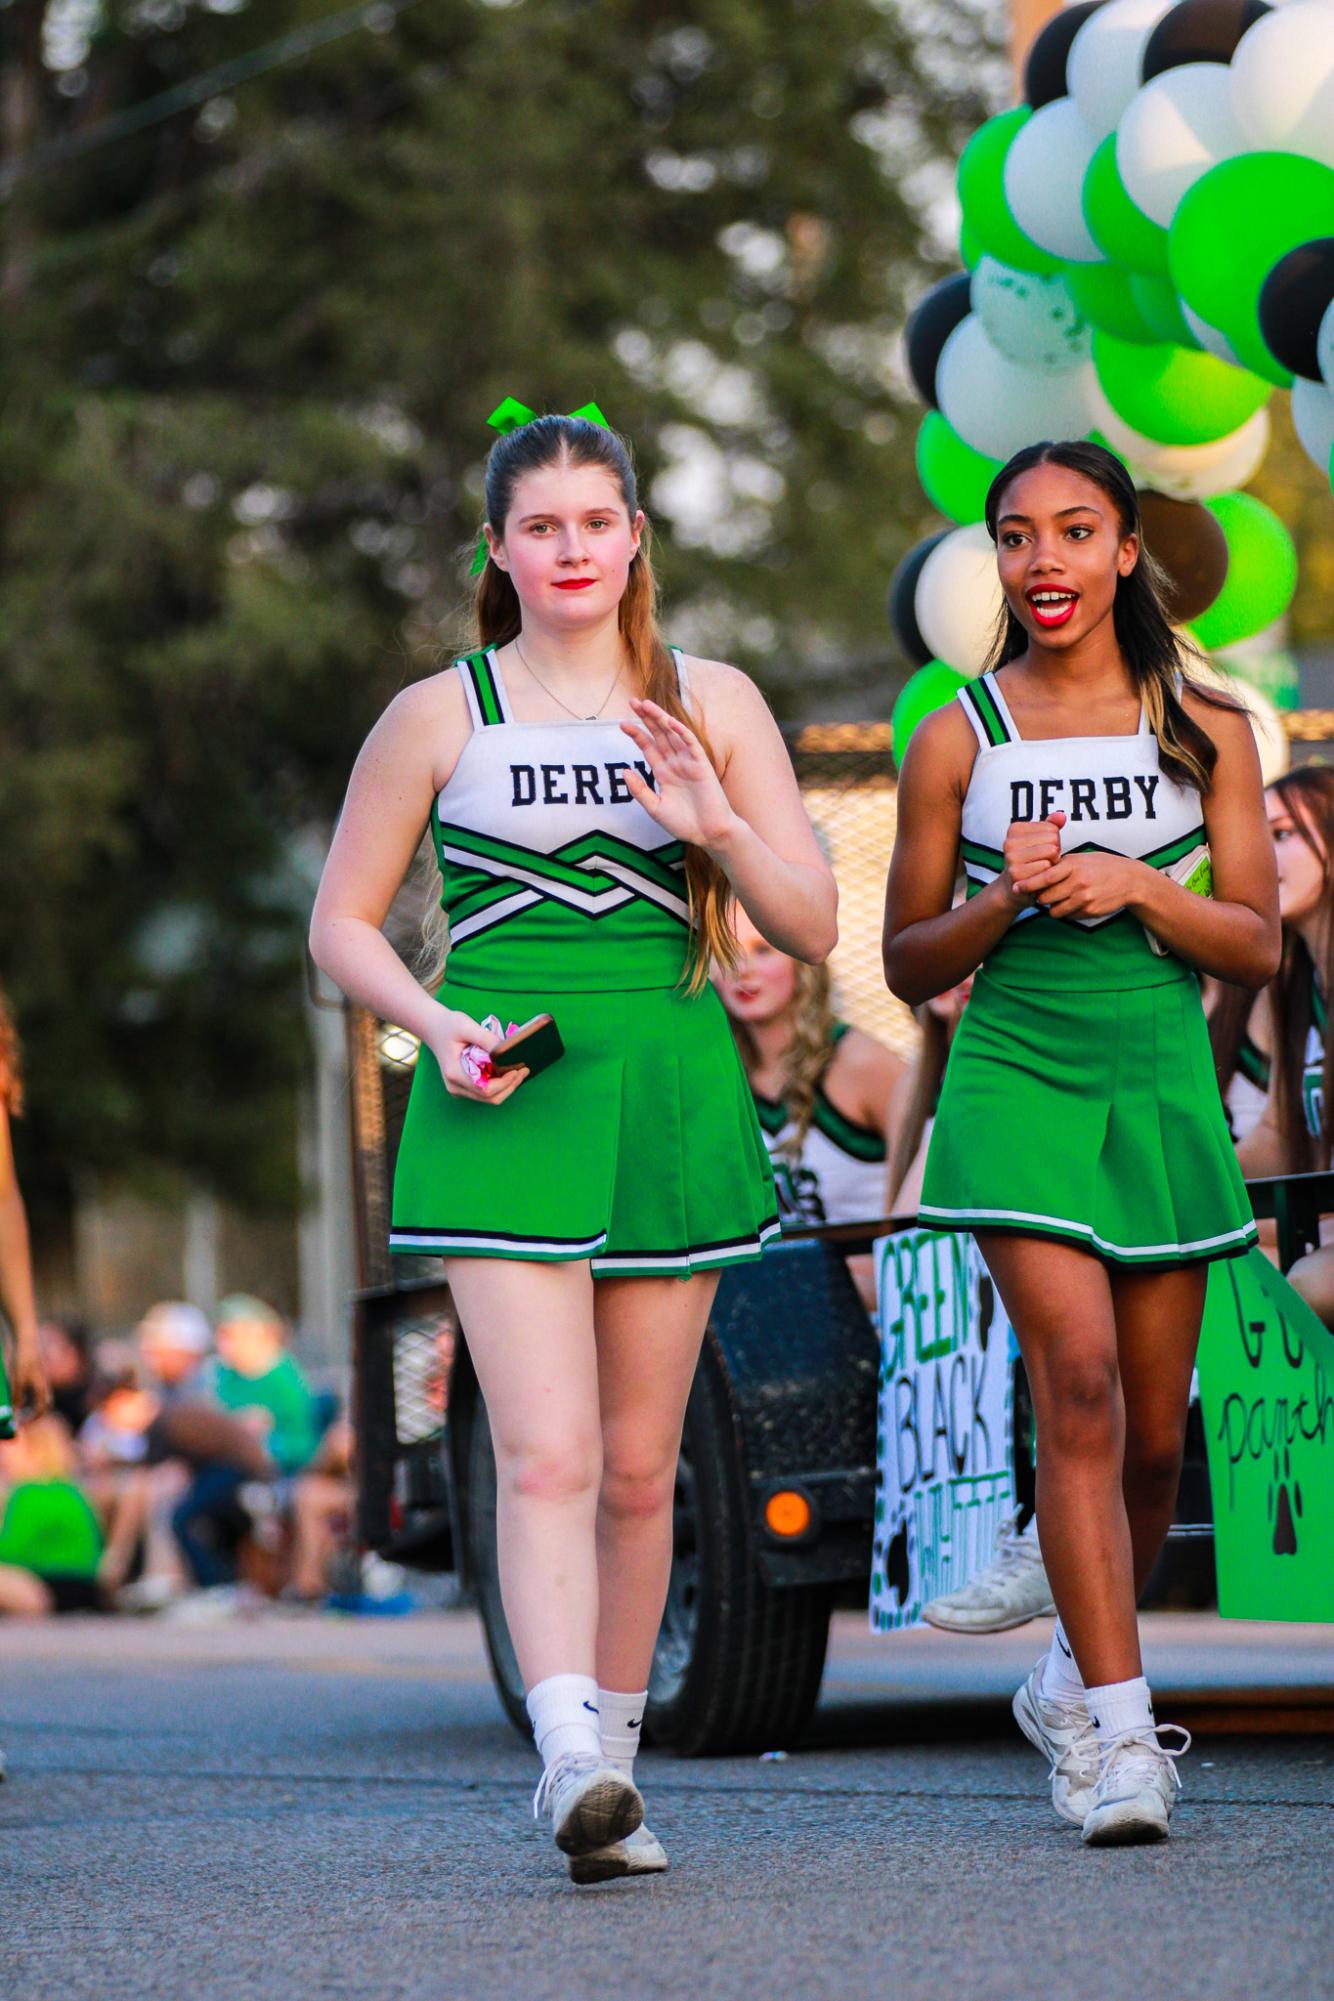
<point x="1266" y="1366"/>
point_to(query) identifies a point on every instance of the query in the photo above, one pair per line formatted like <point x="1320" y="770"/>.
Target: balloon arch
<point x="1149" y="252"/>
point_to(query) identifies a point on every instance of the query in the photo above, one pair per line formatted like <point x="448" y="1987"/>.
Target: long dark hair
<point x="1148" y="644"/>
<point x="1308" y="795"/>
<point x="574" y="441"/>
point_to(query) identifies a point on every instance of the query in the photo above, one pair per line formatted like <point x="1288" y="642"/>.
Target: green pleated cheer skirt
<point x="1090" y="1117"/>
<point x="639" y="1149"/>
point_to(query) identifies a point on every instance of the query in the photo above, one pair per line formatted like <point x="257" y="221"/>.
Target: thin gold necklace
<point x="556" y="698"/>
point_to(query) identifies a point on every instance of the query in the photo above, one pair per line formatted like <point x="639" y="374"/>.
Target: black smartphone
<point x="533" y="1047"/>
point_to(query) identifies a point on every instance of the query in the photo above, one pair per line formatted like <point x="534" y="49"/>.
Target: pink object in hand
<point x="475" y="1064"/>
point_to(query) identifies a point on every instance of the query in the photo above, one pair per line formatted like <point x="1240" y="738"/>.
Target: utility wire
<point x="377" y="14"/>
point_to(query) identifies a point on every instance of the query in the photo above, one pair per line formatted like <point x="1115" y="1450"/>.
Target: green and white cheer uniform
<point x="1080" y="1099"/>
<point x="838" y="1174"/>
<point x="639" y="1149"/>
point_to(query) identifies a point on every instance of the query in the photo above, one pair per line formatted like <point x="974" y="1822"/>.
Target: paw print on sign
<point x="1285" y="1503"/>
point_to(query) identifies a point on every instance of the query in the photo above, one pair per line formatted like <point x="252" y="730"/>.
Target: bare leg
<point x="1157" y="1333"/>
<point x="1061" y="1305"/>
<point x="23" y="1595"/>
<point x="319" y="1504"/>
<point x="649" y="1332"/>
<point x="127" y="1520"/>
<point x="529" y="1329"/>
<point x="1313" y="1277"/>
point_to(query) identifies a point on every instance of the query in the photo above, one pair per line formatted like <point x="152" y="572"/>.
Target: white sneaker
<point x="591" y="1804"/>
<point x="1137" y="1787"/>
<point x="1011" y="1590"/>
<point x="640" y="1854"/>
<point x="1063" y="1731"/>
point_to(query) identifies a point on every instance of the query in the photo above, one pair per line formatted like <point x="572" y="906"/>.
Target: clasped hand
<point x="1036" y="872"/>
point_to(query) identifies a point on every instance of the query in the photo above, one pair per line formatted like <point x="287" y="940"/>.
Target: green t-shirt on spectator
<point x="49" y="1526"/>
<point x="284" y="1392"/>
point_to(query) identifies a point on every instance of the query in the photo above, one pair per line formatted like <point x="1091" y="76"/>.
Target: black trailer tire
<point x="481" y="1517"/>
<point x="739" y="1662"/>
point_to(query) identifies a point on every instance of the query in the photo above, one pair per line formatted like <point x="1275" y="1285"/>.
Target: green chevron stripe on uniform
<point x="973" y="851"/>
<point x="1175" y="851"/>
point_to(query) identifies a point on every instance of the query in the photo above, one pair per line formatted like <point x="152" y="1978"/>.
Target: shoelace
<point x="568" y="1767"/>
<point x="1145" y="1752"/>
<point x="1014" y="1550"/>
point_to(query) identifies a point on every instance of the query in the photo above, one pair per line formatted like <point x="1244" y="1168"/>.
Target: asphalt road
<point x="314" y="1807"/>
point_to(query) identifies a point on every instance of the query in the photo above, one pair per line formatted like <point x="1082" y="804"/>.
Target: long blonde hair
<point x="807" y="1055"/>
<point x="498" y="616"/>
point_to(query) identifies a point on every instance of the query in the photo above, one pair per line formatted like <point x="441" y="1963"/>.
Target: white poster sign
<point x="945" y="1423"/>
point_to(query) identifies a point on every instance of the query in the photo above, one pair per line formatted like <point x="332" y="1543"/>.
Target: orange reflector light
<point x="787" y="1513"/>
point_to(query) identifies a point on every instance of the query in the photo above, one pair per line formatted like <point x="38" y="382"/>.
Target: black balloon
<point x="930" y="324"/>
<point x="1188" y="541"/>
<point x="1044" y="71"/>
<point x="1199" y="31"/>
<point x="902" y="594"/>
<point x="1293" y="300"/>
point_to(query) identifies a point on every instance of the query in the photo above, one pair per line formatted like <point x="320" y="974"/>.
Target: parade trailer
<point x="826" y="1463"/>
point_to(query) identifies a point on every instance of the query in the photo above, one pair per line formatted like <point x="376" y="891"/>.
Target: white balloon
<point x="1186" y="472"/>
<point x="1313" y="418"/>
<point x="1028" y="318"/>
<point x="1324" y="347"/>
<point x="1209" y="337"/>
<point x="1043" y="179"/>
<point x="1282" y="77"/>
<point x="997" y="406"/>
<point x="1102" y="68"/>
<point x="958" y="598"/>
<point x="1172" y="132"/>
<point x="1271" y="739"/>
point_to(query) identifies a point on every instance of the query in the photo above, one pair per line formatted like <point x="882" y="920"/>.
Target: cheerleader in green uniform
<point x="1080" y="1133"/>
<point x="596" y="803"/>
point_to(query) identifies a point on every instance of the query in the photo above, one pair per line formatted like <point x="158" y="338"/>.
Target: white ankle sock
<point x="620" y="1718"/>
<point x="564" y="1710"/>
<point x="1061" y="1679"/>
<point x="1119" y="1706"/>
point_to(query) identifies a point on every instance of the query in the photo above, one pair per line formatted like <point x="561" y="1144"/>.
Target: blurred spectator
<point x="65" y="1345"/>
<point x="1241" y="1036"/>
<point x="321" y="1507"/>
<point x="23" y="1388"/>
<point x="174" y="1340"/>
<point x="823" y="1090"/>
<point x="50" y="1538"/>
<point x="1295" y="1129"/>
<point x="257" y="1378"/>
<point x="919" y="1094"/>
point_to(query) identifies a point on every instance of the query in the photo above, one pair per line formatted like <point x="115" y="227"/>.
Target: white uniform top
<point x="1112" y="790"/>
<point x="838" y="1176"/>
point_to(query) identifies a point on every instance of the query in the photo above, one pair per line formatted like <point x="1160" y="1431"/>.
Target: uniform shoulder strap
<point x="487" y="702"/>
<point x="682" y="676"/>
<point x="984" y="706"/>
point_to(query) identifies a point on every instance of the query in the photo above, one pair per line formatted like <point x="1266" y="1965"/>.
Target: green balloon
<point x="1177" y="398"/>
<point x="971" y="252"/>
<point x="954" y="477"/>
<point x="1161" y="310"/>
<point x="1230" y="231"/>
<point x="986" y="214"/>
<point x="1121" y="231"/>
<point x="1261" y="572"/>
<point x="930" y="688"/>
<point x="1105" y="298"/>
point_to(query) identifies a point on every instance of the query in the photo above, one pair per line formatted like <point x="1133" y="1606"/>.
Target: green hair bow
<point x="507" y="417"/>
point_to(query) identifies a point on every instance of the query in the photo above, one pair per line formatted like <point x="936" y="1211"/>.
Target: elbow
<point x="819" y="948"/>
<point x="1263" y="962"/>
<point x="899" y="980"/>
